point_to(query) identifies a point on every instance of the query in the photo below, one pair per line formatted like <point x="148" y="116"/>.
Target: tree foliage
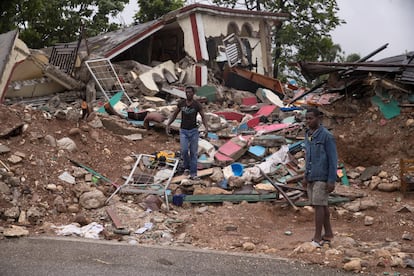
<point x="47" y="22"/>
<point x="354" y="57"/>
<point x="304" y="36"/>
<point x="150" y="10"/>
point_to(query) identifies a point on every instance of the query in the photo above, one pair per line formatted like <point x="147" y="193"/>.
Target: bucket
<point x="178" y="200"/>
<point x="237" y="169"/>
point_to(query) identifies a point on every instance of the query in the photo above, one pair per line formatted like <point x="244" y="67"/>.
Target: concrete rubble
<point x="259" y="129"/>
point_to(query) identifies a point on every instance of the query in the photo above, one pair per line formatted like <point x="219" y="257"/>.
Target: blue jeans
<point x="189" y="147"/>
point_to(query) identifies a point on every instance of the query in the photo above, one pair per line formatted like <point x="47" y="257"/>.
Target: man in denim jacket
<point x="320" y="174"/>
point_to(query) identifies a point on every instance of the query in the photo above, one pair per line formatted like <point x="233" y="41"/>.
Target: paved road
<point x="69" y="256"/>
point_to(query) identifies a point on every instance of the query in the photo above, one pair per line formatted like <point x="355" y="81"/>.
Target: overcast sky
<point x="370" y="24"/>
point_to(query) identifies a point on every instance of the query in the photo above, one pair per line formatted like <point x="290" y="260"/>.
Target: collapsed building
<point x="200" y="36"/>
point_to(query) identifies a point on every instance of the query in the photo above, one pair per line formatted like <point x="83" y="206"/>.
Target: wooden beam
<point x="114" y="217"/>
<point x="232" y="198"/>
<point x="201" y="173"/>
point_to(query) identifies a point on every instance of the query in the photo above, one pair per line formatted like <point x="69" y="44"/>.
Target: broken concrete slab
<point x="4" y="149"/>
<point x="249" y="101"/>
<point x="15" y="231"/>
<point x="63" y="79"/>
<point x="265" y="110"/>
<point x="233" y="149"/>
<point x="34" y="77"/>
<point x="271" y="128"/>
<point x="267" y="96"/>
<point x="119" y="126"/>
<point x="164" y="70"/>
<point x="258" y="152"/>
<point x="269" y="140"/>
<point x="174" y="91"/>
<point x="33" y="88"/>
<point x="134" y="137"/>
<point x="12" y="52"/>
<point x="369" y="172"/>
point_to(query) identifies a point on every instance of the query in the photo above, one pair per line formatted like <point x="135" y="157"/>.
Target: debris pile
<point x="115" y="174"/>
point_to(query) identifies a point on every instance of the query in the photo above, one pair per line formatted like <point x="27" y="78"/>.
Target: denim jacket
<point x="321" y="156"/>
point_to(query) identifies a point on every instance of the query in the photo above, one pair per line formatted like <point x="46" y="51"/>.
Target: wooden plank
<point x="200" y="173"/>
<point x="295" y="178"/>
<point x="114" y="217"/>
<point x="221" y="158"/>
<point x="232" y="198"/>
<point x="230" y="115"/>
<point x="279" y="189"/>
<point x="265" y="110"/>
<point x="230" y="148"/>
<point x="406" y="167"/>
<point x="331" y="201"/>
<point x="262" y="80"/>
<point x="271" y="128"/>
<point x="253" y="122"/>
<point x="249" y="101"/>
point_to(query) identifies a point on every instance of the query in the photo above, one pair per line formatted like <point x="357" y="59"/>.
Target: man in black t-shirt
<point x="188" y="130"/>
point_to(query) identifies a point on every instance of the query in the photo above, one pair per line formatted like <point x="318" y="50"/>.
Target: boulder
<point x="4" y="188"/>
<point x="35" y="215"/>
<point x="4" y="149"/>
<point x="353" y="265"/>
<point x="51" y="140"/>
<point x="369" y="172"/>
<point x="12" y="213"/>
<point x="60" y="205"/>
<point x="67" y="144"/>
<point x="92" y="200"/>
<point x="388" y="187"/>
<point x="15" y="231"/>
<point x="249" y="246"/>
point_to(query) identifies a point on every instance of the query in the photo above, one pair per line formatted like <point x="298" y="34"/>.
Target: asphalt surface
<point x="71" y="256"/>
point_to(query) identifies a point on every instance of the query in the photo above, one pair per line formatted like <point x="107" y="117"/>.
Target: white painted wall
<point x="216" y="26"/>
<point x="185" y="24"/>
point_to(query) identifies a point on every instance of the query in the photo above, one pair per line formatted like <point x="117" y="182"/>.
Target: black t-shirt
<point x="189" y="114"/>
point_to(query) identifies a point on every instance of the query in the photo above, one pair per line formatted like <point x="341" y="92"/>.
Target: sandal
<point x="326" y="240"/>
<point x="316" y="244"/>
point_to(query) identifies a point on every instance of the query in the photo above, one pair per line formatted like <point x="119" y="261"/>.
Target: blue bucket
<point x="237" y="169"/>
<point x="178" y="200"/>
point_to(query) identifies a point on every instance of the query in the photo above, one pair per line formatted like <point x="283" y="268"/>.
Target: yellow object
<point x="164" y="156"/>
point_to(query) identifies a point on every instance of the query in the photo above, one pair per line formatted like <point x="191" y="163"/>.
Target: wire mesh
<point x="105" y="76"/>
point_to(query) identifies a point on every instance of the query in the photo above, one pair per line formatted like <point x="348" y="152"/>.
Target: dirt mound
<point x="43" y="163"/>
<point x="365" y="138"/>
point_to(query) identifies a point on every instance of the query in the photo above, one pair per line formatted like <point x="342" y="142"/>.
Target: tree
<point x="150" y="10"/>
<point x="304" y="36"/>
<point x="46" y="22"/>
<point x="354" y="57"/>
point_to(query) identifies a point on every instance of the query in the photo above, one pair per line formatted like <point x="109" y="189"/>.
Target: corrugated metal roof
<point x="103" y="45"/>
<point x="401" y="67"/>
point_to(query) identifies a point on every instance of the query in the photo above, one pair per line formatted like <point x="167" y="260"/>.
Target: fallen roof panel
<point x="113" y="43"/>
